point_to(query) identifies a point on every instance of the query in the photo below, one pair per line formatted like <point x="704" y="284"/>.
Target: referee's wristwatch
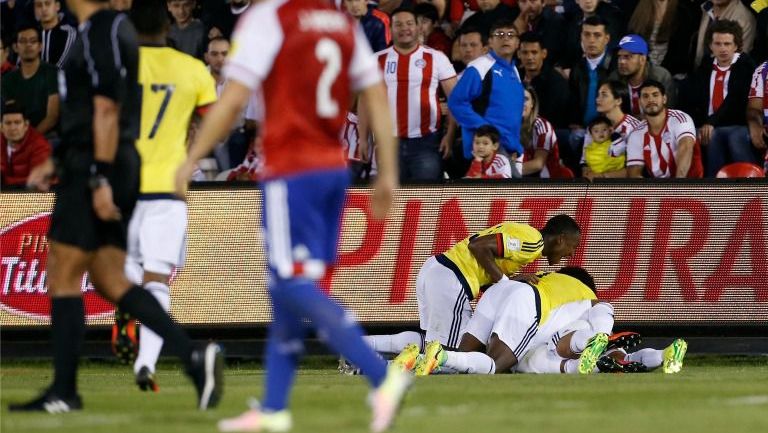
<point x="97" y="181"/>
<point x="99" y="172"/>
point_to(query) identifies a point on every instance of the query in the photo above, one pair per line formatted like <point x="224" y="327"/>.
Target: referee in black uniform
<point x="98" y="169"/>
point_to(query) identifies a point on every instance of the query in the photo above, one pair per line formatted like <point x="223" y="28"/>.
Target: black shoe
<point x="49" y="402"/>
<point x="145" y="379"/>
<point x="623" y="340"/>
<point x="606" y="364"/>
<point x="207" y="374"/>
<point x="125" y="338"/>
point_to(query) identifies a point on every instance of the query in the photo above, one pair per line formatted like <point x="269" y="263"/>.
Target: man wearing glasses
<point x="34" y="85"/>
<point x="490" y="92"/>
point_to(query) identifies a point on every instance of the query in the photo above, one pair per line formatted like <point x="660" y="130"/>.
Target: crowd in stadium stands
<point x="477" y="88"/>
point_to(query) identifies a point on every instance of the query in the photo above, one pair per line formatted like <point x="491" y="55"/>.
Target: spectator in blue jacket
<point x="490" y="92"/>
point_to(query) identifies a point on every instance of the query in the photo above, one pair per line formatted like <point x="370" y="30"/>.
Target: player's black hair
<point x="561" y="224"/>
<point x="580" y="274"/>
<point x="653" y="83"/>
<point x="149" y="17"/>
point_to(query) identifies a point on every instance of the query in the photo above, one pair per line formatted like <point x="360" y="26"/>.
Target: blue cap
<point x="635" y="44"/>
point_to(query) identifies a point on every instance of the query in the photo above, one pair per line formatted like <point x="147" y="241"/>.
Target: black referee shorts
<point x="74" y="221"/>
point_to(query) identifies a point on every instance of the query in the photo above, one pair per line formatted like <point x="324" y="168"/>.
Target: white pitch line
<point x="747" y="400"/>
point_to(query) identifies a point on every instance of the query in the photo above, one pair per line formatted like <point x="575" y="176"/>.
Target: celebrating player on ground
<point x="447" y="282"/>
<point x="514" y="316"/>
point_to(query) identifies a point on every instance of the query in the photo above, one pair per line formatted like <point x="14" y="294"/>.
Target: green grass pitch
<point x="712" y="394"/>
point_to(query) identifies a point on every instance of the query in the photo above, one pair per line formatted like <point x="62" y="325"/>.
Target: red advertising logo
<point x="23" y="277"/>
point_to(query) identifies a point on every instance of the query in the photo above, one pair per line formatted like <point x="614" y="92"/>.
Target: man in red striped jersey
<point x="665" y="143"/>
<point x="412" y="73"/>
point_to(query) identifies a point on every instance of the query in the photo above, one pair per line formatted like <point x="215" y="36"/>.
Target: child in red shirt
<point x="487" y="162"/>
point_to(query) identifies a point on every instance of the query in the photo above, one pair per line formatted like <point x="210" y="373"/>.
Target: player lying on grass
<point x="670" y="359"/>
<point x="508" y="320"/>
<point x="570" y="339"/>
<point x="557" y="355"/>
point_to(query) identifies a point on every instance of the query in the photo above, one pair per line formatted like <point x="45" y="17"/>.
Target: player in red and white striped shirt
<point x="541" y="154"/>
<point x="412" y="73"/>
<point x="665" y="143"/>
<point x="487" y="162"/>
<point x="757" y="110"/>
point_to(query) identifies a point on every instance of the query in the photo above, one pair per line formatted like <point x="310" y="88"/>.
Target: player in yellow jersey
<point x="508" y="318"/>
<point x="512" y="317"/>
<point x="447" y="282"/>
<point x="175" y="88"/>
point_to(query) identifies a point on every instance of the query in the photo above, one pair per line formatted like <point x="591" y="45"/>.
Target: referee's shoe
<point x="49" y="402"/>
<point x="206" y="372"/>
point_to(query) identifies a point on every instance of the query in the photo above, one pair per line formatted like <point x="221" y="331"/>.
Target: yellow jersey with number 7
<point x="173" y="85"/>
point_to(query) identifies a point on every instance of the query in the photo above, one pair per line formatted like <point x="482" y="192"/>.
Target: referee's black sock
<point x="67" y="333"/>
<point x="140" y="304"/>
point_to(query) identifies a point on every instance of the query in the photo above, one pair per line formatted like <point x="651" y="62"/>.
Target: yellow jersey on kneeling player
<point x="511" y="246"/>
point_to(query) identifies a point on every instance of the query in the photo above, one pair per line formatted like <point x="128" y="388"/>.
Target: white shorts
<point x="509" y="309"/>
<point x="156" y="237"/>
<point x="536" y="361"/>
<point x="562" y="321"/>
<point x="444" y="309"/>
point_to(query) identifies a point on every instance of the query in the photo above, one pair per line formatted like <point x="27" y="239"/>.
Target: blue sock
<point x="338" y="329"/>
<point x="284" y="346"/>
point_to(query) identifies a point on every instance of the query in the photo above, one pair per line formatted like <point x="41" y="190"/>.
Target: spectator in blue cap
<point x="633" y="68"/>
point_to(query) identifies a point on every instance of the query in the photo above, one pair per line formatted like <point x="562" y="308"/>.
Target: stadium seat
<point x="740" y="169"/>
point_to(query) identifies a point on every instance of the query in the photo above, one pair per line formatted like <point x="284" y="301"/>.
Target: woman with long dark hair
<point x="541" y="155"/>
